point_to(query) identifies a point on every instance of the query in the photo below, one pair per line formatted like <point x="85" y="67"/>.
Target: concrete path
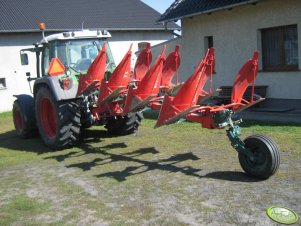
<point x="292" y="116"/>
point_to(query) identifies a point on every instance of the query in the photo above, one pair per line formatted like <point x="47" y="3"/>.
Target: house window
<point x="280" y="48"/>
<point x="2" y="83"/>
<point x="208" y="42"/>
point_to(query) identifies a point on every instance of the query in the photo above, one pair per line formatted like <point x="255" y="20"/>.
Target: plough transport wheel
<point x="58" y="121"/>
<point x="265" y="160"/>
<point x="124" y="125"/>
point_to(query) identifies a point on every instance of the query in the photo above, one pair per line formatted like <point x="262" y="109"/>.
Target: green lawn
<point x="175" y="175"/>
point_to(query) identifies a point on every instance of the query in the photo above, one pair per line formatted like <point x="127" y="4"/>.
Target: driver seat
<point x="83" y="64"/>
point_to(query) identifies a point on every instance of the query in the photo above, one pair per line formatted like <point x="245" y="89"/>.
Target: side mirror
<point x="24" y="58"/>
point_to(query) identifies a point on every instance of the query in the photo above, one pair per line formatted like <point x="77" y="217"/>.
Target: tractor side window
<point x="75" y="55"/>
<point x="60" y="52"/>
<point x="110" y="59"/>
<point x="110" y="62"/>
<point x="46" y="60"/>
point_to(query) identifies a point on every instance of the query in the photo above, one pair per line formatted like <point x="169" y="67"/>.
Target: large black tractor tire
<point x="24" y="118"/>
<point x="58" y="121"/>
<point x="267" y="157"/>
<point x="124" y="125"/>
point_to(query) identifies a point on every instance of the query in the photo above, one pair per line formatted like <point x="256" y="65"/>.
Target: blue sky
<point x="159" y="5"/>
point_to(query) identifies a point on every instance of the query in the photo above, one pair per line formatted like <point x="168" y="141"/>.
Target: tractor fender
<point x="26" y="103"/>
<point x="53" y="83"/>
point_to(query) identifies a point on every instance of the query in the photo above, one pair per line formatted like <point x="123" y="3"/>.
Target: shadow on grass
<point x="10" y="140"/>
<point x="167" y="164"/>
<point x="231" y="176"/>
<point x="94" y="135"/>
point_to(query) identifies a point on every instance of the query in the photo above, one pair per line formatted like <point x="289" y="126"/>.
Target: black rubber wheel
<point x="58" y="121"/>
<point x="24" y="121"/>
<point x="124" y="125"/>
<point x="266" y="157"/>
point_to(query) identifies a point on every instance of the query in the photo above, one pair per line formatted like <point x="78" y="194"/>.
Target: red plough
<point x="115" y="87"/>
<point x="188" y="101"/>
<point x="171" y="66"/>
<point x="147" y="89"/>
<point x="258" y="155"/>
<point x="143" y="63"/>
<point x="121" y="98"/>
<point x="158" y="80"/>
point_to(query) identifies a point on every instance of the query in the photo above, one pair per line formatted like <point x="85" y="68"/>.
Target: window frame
<point x="282" y="66"/>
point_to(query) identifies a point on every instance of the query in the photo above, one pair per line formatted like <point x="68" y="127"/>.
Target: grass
<point x="21" y="209"/>
<point x="175" y="175"/>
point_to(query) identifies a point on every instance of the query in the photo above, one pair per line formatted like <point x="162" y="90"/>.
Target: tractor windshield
<point x="78" y="55"/>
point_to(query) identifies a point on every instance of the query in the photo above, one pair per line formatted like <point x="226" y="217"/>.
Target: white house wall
<point x="14" y="73"/>
<point x="236" y="34"/>
<point x="170" y="47"/>
<point x="11" y="68"/>
<point x="121" y="41"/>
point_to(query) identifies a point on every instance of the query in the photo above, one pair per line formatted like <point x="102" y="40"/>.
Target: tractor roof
<point x="77" y="35"/>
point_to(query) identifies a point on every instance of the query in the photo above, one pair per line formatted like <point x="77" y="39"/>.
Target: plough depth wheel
<point x="265" y="160"/>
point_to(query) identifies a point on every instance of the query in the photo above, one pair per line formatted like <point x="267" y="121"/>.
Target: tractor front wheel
<point x="124" y="125"/>
<point x="58" y="121"/>
<point x="265" y="159"/>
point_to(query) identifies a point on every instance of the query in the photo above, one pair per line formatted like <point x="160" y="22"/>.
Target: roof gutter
<point x="208" y="11"/>
<point x="109" y="29"/>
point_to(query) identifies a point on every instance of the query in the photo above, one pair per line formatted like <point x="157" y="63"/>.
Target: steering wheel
<point x="73" y="66"/>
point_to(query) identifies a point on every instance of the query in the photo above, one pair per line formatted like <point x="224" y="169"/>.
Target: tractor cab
<point x="74" y="51"/>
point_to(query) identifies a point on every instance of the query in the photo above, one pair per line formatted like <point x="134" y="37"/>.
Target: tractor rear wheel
<point x="23" y="121"/>
<point x="266" y="157"/>
<point x="124" y="125"/>
<point x="58" y="121"/>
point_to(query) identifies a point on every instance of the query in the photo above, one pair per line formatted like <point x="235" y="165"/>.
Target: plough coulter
<point x="80" y="86"/>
